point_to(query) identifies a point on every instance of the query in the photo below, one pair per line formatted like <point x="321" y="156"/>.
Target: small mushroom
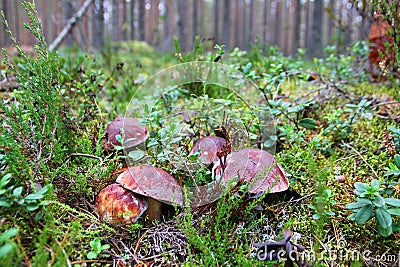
<point x="118" y="206"/>
<point x="209" y="146"/>
<point x="256" y="166"/>
<point x="158" y="185"/>
<point x="134" y="133"/>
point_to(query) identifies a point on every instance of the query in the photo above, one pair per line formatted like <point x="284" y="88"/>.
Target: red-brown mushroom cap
<point x="132" y="129"/>
<point x="209" y="146"/>
<point x="152" y="182"/>
<point x="118" y="206"/>
<point x="256" y="166"/>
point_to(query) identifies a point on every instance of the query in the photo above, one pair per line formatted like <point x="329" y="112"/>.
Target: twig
<point x="361" y="156"/>
<point x="86" y="155"/>
<point x="294" y="200"/>
<point x="386" y="103"/>
<point x="89" y="261"/>
<point x="68" y="27"/>
<point x="388" y="117"/>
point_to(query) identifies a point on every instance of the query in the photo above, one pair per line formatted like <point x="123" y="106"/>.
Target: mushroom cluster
<point x="138" y="190"/>
<point x="141" y="190"/>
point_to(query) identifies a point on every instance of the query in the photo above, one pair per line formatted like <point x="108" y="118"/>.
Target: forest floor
<point x="337" y="135"/>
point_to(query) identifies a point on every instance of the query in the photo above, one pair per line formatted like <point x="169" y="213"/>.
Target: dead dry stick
<point x="366" y="162"/>
<point x="86" y="155"/>
<point x="68" y="27"/>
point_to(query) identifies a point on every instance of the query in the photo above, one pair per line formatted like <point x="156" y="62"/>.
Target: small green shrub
<point x="97" y="249"/>
<point x="370" y="203"/>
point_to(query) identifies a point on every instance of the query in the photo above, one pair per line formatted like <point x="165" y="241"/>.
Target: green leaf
<point x="376" y="183"/>
<point x="385" y="231"/>
<point x="395" y="212"/>
<point x="33" y="196"/>
<point x="5" y="203"/>
<point x="392" y="172"/>
<point x="397" y="160"/>
<point x="355" y="205"/>
<point x="5" y="250"/>
<point x="247" y="69"/>
<point x="316" y="217"/>
<point x="44" y="189"/>
<point x="308" y="123"/>
<point x="39" y="215"/>
<point x="92" y="255"/>
<point x="32" y="206"/>
<point x="11" y="232"/>
<point x="364" y="214"/>
<point x="395" y="202"/>
<point x="104" y="247"/>
<point x="95" y="245"/>
<point x="17" y="191"/>
<point x="136" y="155"/>
<point x="5" y="180"/>
<point x="360" y="187"/>
<point x="383" y="217"/>
<point x="152" y="143"/>
<point x="378" y="201"/>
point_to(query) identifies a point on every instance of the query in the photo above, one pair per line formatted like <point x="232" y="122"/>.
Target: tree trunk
<point x="141" y="20"/>
<point x="251" y="24"/>
<point x="131" y="14"/>
<point x="99" y="24"/>
<point x="278" y="25"/>
<point x="297" y="28"/>
<point x="6" y="38"/>
<point x="216" y="20"/>
<point x="195" y="19"/>
<point x="115" y="34"/>
<point x="331" y="23"/>
<point x="236" y="23"/>
<point x="124" y="21"/>
<point x="68" y="14"/>
<point x="182" y="24"/>
<point x="226" y="33"/>
<point x="16" y="19"/>
<point x="316" y="31"/>
<point x="265" y="25"/>
<point x="243" y="39"/>
<point x="156" y="26"/>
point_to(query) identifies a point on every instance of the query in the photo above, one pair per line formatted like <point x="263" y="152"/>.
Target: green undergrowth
<point x="332" y="130"/>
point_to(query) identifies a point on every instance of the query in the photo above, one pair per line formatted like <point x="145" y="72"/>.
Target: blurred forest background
<point x="289" y="24"/>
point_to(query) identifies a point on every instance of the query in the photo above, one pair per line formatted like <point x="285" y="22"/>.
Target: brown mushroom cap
<point x="256" y="166"/>
<point x="132" y="129"/>
<point x="209" y="146"/>
<point x="152" y="182"/>
<point x="118" y="206"/>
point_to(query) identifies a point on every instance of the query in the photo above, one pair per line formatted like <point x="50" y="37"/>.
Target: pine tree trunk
<point x="297" y="22"/>
<point x="316" y="34"/>
<point x="131" y="15"/>
<point x="216" y="20"/>
<point x="226" y="32"/>
<point x="99" y="24"/>
<point x="68" y="14"/>
<point x="182" y="24"/>
<point x="141" y="20"/>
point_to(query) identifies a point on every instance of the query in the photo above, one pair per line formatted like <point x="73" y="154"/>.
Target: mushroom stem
<point x="154" y="209"/>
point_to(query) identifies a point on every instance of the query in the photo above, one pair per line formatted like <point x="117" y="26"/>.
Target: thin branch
<point x="366" y="162"/>
<point x="86" y="155"/>
<point x="68" y="27"/>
